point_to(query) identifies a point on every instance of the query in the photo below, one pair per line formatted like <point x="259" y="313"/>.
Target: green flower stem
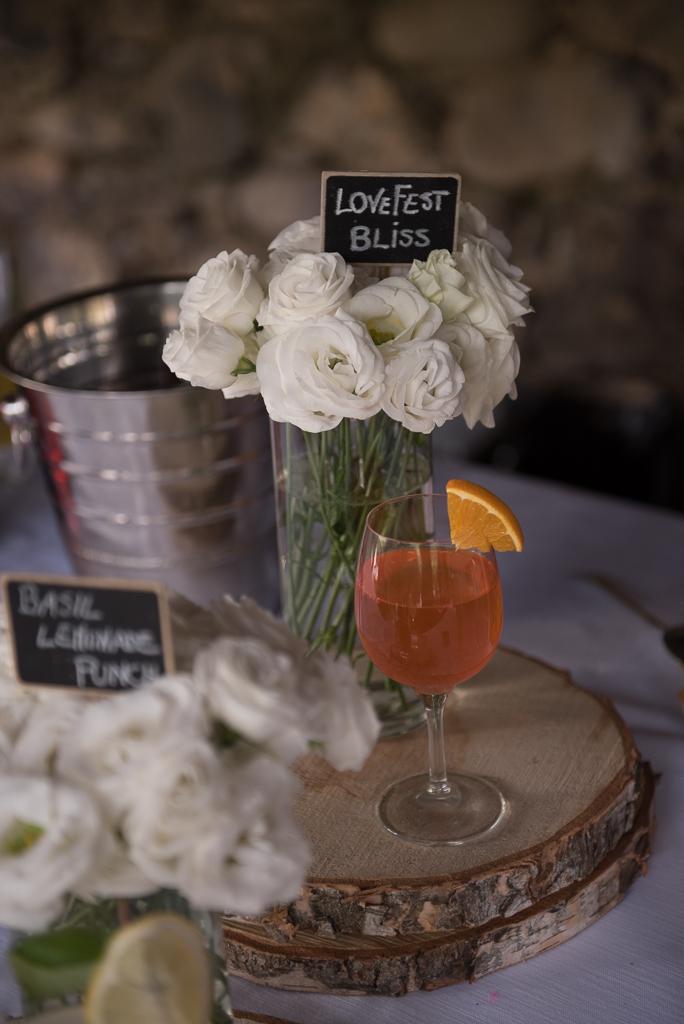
<point x="305" y="593"/>
<point x="329" y="483"/>
<point x="347" y="455"/>
<point x="320" y="595"/>
<point x="290" y="498"/>
<point x="316" y="470"/>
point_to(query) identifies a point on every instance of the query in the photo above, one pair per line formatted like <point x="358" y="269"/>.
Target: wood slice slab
<point x="347" y="965"/>
<point x="563" y="758"/>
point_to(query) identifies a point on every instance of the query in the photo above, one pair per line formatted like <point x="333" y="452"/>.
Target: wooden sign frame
<point x="85" y="583"/>
<point x="451" y="224"/>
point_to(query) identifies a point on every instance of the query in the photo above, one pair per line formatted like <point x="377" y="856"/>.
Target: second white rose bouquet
<point x="356" y="371"/>
<point x="183" y="785"/>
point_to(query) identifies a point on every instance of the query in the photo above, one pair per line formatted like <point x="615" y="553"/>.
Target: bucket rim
<point x="15" y="324"/>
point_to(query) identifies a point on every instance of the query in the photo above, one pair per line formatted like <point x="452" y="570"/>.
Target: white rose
<point x="475" y="227"/>
<point x="205" y="354"/>
<point x="16" y="705"/>
<point x="183" y="790"/>
<point x="499" y="299"/>
<point x="7" y="677"/>
<point x="49" y="839"/>
<point x="315" y="374"/>
<point x="342" y="721"/>
<point x="227" y="291"/>
<point x="114" y="875"/>
<point x="252" y="855"/>
<point x="276" y="263"/>
<point x="334" y="712"/>
<point x="16" y="701"/>
<point x="423" y="383"/>
<point x="5" y="750"/>
<point x="440" y="281"/>
<point x="490" y="366"/>
<point x="394" y="310"/>
<point x="38" y="742"/>
<point x="474" y="224"/>
<point x="114" y="738"/>
<point x="301" y="236"/>
<point x="310" y="286"/>
<point x="255" y="691"/>
<point x="244" y="380"/>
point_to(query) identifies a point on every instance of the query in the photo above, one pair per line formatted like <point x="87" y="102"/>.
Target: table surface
<point x="627" y="968"/>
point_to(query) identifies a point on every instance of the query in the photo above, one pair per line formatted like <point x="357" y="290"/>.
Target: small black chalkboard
<point x="92" y="635"/>
<point x="388" y="218"/>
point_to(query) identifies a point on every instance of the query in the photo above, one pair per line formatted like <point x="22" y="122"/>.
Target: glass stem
<point x="434" y="712"/>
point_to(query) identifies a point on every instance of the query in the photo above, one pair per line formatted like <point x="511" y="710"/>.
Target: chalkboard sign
<point x="388" y="218"/>
<point x="96" y="636"/>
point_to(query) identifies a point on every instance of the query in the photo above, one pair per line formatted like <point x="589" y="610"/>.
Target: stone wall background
<point x="139" y="137"/>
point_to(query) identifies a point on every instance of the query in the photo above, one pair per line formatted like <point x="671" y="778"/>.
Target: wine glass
<point x="429" y="614"/>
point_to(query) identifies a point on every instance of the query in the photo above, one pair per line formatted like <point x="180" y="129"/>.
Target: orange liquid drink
<point x="429" y="617"/>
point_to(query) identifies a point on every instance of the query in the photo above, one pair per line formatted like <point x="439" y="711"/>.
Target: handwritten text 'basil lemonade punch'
<point x="89" y="635"/>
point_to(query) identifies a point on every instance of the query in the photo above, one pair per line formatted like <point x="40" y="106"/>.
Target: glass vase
<point x="325" y="486"/>
<point x="99" y="920"/>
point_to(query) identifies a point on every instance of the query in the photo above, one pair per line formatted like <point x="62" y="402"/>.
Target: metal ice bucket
<point x="152" y="478"/>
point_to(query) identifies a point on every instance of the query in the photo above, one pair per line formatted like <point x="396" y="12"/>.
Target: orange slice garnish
<point x="478" y="519"/>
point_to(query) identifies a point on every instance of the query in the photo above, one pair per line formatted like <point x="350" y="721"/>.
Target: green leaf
<point x="245" y="365"/>
<point x="223" y="736"/>
<point x="20" y="837"/>
<point x="57" y="963"/>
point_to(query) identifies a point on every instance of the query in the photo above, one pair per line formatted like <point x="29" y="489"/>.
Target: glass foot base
<point x="473" y="808"/>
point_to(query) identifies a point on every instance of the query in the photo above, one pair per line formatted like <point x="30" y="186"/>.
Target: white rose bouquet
<point x="233" y="308"/>
<point x="182" y="787"/>
<point x="356" y="371"/>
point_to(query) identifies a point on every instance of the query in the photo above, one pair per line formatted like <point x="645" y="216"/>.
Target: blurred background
<point x="140" y="137"/>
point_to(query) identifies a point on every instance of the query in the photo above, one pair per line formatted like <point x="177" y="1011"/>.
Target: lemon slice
<point x="153" y="971"/>
<point x="478" y="519"/>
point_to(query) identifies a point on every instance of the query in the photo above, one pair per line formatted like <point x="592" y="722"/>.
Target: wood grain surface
<point x="354" y="965"/>
<point x="566" y="764"/>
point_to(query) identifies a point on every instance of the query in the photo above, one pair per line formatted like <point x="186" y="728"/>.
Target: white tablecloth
<point x="629" y="967"/>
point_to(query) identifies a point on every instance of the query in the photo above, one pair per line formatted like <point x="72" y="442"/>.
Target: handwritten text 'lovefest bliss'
<point x="395" y="202"/>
